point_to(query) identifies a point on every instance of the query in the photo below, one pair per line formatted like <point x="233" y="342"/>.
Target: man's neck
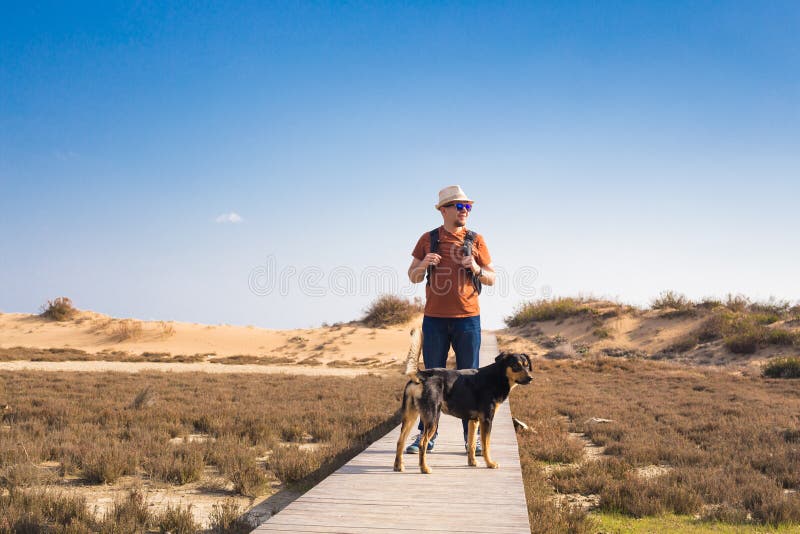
<point x="452" y="228"/>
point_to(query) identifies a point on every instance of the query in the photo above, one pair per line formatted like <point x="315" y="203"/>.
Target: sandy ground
<point x="317" y="351"/>
<point x="136" y="367"/>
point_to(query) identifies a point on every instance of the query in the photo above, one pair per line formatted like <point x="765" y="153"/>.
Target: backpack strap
<point x="469" y="243"/>
<point x="434" y="235"/>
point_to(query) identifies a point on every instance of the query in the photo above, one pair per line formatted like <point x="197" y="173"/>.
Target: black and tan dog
<point x="472" y="394"/>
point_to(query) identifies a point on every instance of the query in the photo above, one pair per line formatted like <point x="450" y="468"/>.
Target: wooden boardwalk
<point x="366" y="495"/>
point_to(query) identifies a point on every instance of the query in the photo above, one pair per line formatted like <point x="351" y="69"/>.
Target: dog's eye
<point x="515" y="366"/>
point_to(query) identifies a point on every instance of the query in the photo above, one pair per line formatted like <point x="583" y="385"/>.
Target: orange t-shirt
<point x="450" y="292"/>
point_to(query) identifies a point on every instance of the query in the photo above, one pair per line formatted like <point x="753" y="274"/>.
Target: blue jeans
<point x="463" y="333"/>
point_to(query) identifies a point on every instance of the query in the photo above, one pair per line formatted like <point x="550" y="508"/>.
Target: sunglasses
<point x="459" y="206"/>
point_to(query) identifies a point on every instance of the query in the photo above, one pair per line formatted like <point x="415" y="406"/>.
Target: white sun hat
<point x="452" y="193"/>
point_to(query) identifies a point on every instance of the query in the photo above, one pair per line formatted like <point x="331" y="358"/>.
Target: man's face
<point x="453" y="215"/>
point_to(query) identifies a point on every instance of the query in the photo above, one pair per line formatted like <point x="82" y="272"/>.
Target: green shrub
<point x="750" y="336"/>
<point x="780" y="336"/>
<point x="782" y="368"/>
<point x="744" y="332"/>
<point x="772" y="307"/>
<point x="547" y="310"/>
<point x="709" y="303"/>
<point x="684" y="344"/>
<point x="765" y="318"/>
<point x="744" y="343"/>
<point x="389" y="310"/>
<point x="602" y="332"/>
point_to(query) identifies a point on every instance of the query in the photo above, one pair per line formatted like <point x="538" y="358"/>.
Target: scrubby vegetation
<point x="389" y="310"/>
<point x="226" y="518"/>
<point x="59" y="309"/>
<point x="673" y="303"/>
<point x="724" y="448"/>
<point x="782" y="368"/>
<point x="547" y="310"/>
<point x="741" y="325"/>
<point x="743" y="331"/>
<point x="102" y="426"/>
<point x="52" y="510"/>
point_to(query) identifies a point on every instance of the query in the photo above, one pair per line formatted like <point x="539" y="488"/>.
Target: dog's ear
<point x="500" y="357"/>
<point x="528" y="359"/>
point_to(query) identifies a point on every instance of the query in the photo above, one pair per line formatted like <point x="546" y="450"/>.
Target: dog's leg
<point x="410" y="414"/>
<point x="427" y="434"/>
<point x="472" y="426"/>
<point x="486" y="435"/>
<point x="408" y="421"/>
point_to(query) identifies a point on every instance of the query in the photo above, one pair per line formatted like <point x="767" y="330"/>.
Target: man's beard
<point x="460" y="223"/>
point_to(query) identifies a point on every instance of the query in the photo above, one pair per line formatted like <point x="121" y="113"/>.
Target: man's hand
<point x="416" y="273"/>
<point x="431" y="259"/>
<point x="469" y="263"/>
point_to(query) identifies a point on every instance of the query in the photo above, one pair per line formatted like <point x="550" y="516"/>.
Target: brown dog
<point x="472" y="394"/>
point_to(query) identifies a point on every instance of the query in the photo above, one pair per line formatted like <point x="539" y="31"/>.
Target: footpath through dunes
<point x="366" y="495"/>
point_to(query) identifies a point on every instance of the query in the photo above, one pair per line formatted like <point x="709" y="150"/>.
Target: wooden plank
<point x="367" y="496"/>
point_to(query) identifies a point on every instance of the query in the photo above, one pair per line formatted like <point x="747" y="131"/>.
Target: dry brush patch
<point x="97" y="427"/>
<point x="389" y="310"/>
<point x="564" y="307"/>
<point x="59" y="309"/>
<point x="728" y="445"/>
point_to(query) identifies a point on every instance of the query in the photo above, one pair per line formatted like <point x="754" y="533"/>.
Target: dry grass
<point x="389" y="310"/>
<point x="166" y="329"/>
<point x="126" y="330"/>
<point x="52" y="510"/>
<point x="101" y="426"/>
<point x="70" y="354"/>
<point x="673" y="304"/>
<point x="730" y="443"/>
<point x="59" y="309"/>
<point x="226" y="518"/>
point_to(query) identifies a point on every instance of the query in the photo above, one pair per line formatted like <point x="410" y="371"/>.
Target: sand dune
<point x="615" y="330"/>
<point x="350" y="344"/>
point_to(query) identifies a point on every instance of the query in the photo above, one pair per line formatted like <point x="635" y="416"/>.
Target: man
<point x="456" y="268"/>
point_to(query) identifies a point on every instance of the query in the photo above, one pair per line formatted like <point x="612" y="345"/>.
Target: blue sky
<point x="613" y="148"/>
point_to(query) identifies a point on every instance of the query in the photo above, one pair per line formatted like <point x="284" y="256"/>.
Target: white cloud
<point x="231" y="217"/>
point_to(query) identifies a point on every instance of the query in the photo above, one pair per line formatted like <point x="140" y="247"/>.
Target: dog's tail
<point x="414" y="350"/>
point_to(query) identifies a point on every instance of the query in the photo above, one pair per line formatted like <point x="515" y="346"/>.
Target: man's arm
<point x="416" y="272"/>
<point x="487" y="274"/>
